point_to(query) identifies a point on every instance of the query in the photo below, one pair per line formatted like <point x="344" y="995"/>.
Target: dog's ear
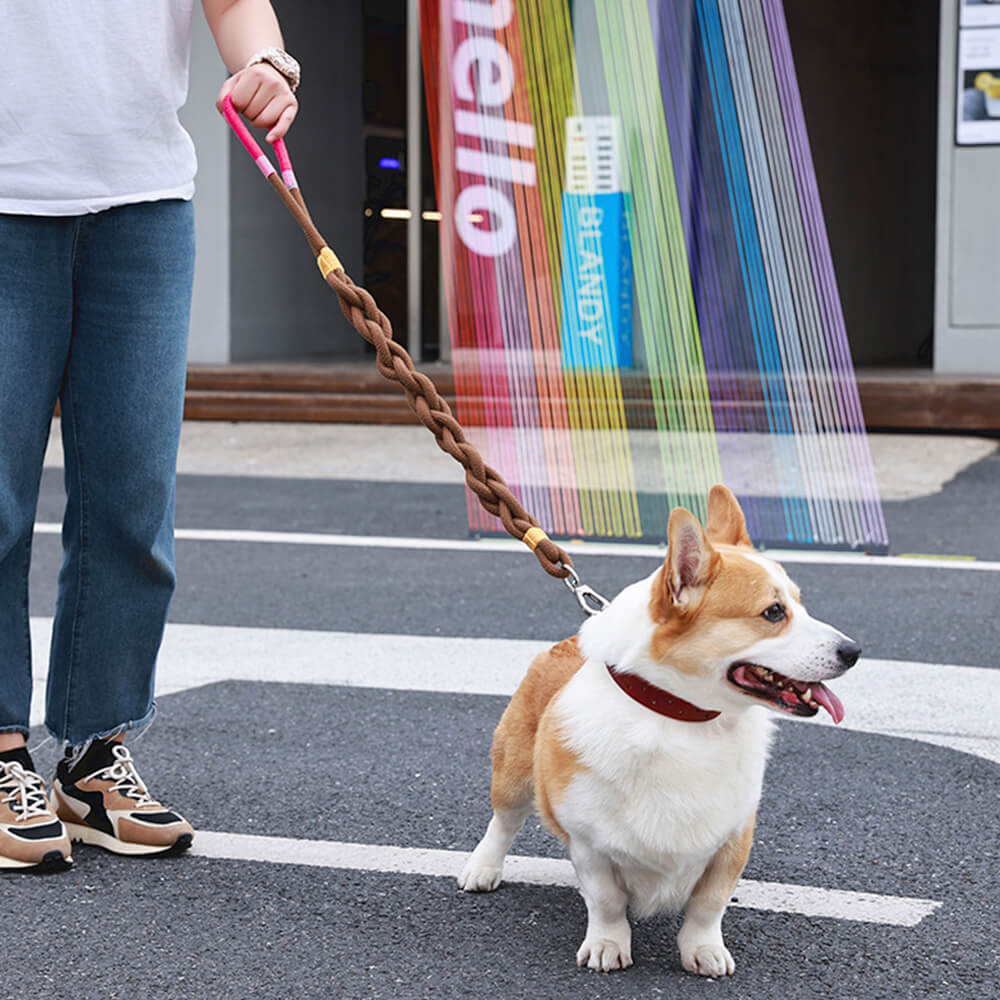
<point x="691" y="560"/>
<point x="726" y="524"/>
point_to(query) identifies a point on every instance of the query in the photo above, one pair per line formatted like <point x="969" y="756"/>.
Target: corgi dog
<point x="641" y="743"/>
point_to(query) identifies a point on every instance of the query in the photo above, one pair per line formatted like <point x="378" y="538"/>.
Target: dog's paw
<point x="477" y="877"/>
<point x="604" y="954"/>
<point x="711" y="960"/>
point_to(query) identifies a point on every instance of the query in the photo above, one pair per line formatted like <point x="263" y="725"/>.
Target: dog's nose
<point x="848" y="653"/>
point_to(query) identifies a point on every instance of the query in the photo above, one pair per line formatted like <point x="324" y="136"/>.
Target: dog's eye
<point x="775" y="613"/>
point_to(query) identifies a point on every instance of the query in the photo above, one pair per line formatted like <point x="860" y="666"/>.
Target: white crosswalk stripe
<point x="838" y="904"/>
<point x="949" y="706"/>
<point x="511" y="547"/>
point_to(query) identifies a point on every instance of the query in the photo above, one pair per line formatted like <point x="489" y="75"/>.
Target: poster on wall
<point x="980" y="14"/>
<point x="978" y="112"/>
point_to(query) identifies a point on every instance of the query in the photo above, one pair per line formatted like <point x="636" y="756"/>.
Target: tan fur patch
<point x="728" y="615"/>
<point x="555" y="767"/>
<point x="514" y="739"/>
<point x="716" y="884"/>
<point x="725" y="523"/>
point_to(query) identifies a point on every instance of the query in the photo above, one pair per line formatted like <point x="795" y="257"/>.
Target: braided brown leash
<point x="430" y="408"/>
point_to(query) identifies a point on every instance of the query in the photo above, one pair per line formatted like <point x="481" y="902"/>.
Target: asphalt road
<point x="854" y="811"/>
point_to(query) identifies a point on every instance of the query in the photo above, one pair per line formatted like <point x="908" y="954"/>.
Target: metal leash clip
<point x="588" y="598"/>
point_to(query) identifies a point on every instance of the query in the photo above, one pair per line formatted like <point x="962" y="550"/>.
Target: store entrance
<point x="387" y="208"/>
<point x="868" y="81"/>
<point x="868" y="76"/>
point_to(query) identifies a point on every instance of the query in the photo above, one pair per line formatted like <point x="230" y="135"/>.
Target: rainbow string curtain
<point x="641" y="297"/>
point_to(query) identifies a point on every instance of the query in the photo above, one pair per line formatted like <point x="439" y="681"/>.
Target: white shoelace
<point x="24" y="792"/>
<point x="126" y="778"/>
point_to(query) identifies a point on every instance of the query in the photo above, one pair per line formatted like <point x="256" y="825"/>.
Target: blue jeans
<point x="93" y="312"/>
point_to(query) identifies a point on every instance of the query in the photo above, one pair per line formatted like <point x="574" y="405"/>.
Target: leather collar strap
<point x="658" y="700"/>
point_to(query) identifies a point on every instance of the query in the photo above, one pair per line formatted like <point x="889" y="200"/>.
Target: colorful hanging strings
<point x="640" y="290"/>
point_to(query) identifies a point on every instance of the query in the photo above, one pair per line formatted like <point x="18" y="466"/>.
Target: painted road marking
<point x="951" y="706"/>
<point x="509" y="546"/>
<point x="809" y="901"/>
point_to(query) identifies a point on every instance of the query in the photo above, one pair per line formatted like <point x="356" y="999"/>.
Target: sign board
<point x="977" y="114"/>
<point x="597" y="260"/>
<point x="979" y="14"/>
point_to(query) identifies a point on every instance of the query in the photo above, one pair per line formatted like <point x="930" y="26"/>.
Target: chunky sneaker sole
<point x="102" y="801"/>
<point x="82" y="834"/>
<point x="32" y="839"/>
<point x="52" y="861"/>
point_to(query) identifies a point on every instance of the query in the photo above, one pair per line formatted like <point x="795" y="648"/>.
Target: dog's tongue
<point x="829" y="701"/>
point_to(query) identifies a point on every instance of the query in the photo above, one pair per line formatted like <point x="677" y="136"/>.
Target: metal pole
<point x="414" y="182"/>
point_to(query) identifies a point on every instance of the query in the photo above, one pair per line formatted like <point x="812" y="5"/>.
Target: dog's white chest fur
<point x="657" y="796"/>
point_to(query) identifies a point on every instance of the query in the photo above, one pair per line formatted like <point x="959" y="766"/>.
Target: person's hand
<point x="262" y="95"/>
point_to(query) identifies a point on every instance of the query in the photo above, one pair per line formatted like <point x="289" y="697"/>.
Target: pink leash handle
<point x="250" y="144"/>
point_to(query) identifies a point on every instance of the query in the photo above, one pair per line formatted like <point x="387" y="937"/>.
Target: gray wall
<point x="280" y="305"/>
<point x="967" y="328"/>
<point x="868" y="77"/>
<point x="209" y="340"/>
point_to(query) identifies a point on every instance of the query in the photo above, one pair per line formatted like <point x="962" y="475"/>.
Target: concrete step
<point x="355" y="392"/>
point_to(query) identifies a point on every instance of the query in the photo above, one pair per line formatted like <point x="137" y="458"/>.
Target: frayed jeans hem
<point x="106" y="734"/>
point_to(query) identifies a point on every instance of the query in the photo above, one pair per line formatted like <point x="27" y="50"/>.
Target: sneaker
<point x="31" y="836"/>
<point x="103" y="801"/>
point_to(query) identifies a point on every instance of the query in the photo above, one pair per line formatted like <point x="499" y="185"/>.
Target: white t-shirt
<point x="88" y="104"/>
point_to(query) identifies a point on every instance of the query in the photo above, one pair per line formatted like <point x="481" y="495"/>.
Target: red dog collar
<point x="658" y="700"/>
